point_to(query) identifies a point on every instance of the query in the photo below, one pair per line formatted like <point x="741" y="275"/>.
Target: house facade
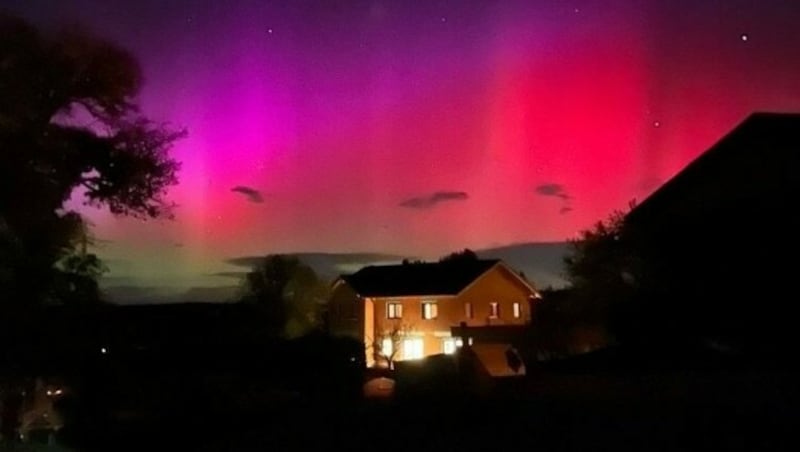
<point x="404" y="312"/>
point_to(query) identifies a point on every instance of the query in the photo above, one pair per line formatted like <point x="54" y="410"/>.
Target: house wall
<point x="501" y="286"/>
<point x="412" y="324"/>
<point x="496" y="285"/>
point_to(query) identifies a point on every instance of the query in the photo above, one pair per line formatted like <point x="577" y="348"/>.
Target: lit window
<point x="494" y="310"/>
<point x="386" y="347"/>
<point x="449" y="345"/>
<point x="517" y="311"/>
<point x="413" y="348"/>
<point x="394" y="311"/>
<point x="429" y="311"/>
<point x="459" y="342"/>
<point x="468" y="310"/>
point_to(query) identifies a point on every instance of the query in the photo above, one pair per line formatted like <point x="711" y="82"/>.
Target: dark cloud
<point x="551" y="189"/>
<point x="250" y="193"/>
<point x="431" y="200"/>
<point x="554" y="190"/>
<point x="326" y="265"/>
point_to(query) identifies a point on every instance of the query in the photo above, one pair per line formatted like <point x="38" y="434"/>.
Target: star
<point x="577" y="10"/>
<point x="444" y="19"/>
<point x="745" y="37"/>
<point x="269" y="30"/>
<point x="656" y="124"/>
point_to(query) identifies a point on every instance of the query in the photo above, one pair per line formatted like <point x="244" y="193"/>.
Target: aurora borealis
<point x="418" y="128"/>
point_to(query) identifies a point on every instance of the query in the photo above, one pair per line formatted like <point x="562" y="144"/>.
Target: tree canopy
<point x="288" y="293"/>
<point x="70" y="126"/>
<point x="465" y="255"/>
<point x="605" y="272"/>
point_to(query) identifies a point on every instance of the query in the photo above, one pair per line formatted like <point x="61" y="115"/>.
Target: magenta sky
<point x="379" y="126"/>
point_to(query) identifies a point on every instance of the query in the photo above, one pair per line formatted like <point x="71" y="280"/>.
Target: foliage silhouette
<point x="605" y="272"/>
<point x="70" y="128"/>
<point x="465" y="255"/>
<point x="288" y="293"/>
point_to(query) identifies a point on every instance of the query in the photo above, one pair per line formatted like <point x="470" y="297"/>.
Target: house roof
<point x="754" y="163"/>
<point x="448" y="278"/>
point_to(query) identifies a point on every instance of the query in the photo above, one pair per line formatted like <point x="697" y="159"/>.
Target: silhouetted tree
<point x="604" y="270"/>
<point x="288" y="293"/>
<point x="386" y="346"/>
<point x="69" y="126"/>
<point x="465" y="255"/>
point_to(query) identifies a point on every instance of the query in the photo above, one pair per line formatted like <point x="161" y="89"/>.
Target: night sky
<point x="418" y="128"/>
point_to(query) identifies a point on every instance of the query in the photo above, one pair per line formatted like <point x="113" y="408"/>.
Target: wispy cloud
<point x="554" y="190"/>
<point x="326" y="265"/>
<point x="250" y="193"/>
<point x="431" y="200"/>
<point x="551" y="189"/>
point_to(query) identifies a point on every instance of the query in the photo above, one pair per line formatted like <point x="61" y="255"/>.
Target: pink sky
<point x="547" y="115"/>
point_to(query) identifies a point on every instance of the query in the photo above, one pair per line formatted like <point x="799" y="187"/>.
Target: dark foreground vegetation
<point x="133" y="385"/>
<point x="669" y="411"/>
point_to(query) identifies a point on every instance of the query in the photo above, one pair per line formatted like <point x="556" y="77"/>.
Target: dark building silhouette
<point x="718" y="241"/>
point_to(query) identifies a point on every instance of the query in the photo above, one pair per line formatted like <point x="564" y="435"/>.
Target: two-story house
<point x="407" y="311"/>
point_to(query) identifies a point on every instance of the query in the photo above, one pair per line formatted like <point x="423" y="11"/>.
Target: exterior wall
<point x="412" y="324"/>
<point x="501" y="286"/>
<point x="496" y="285"/>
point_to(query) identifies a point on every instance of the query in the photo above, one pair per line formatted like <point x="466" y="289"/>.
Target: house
<point x="406" y="311"/>
<point x="715" y="238"/>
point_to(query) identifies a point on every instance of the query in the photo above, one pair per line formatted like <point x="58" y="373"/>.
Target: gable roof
<point x="754" y="163"/>
<point x="403" y="280"/>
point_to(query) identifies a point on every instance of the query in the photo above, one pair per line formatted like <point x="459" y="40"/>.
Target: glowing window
<point x="429" y="310"/>
<point x="394" y="311"/>
<point x="449" y="345"/>
<point x="386" y="347"/>
<point x="413" y="348"/>
<point x="517" y="311"/>
<point x="494" y="310"/>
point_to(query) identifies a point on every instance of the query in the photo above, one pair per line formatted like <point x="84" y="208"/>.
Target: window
<point x="517" y="311"/>
<point x="429" y="310"/>
<point x="494" y="310"/>
<point x="413" y="348"/>
<point x="468" y="310"/>
<point x="394" y="311"/>
<point x="449" y="345"/>
<point x="386" y="347"/>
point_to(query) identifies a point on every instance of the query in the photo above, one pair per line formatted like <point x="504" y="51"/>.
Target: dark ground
<point x="666" y="411"/>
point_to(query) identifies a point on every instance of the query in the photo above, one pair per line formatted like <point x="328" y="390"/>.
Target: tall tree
<point x="605" y="271"/>
<point x="288" y="293"/>
<point x="465" y="255"/>
<point x="69" y="125"/>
